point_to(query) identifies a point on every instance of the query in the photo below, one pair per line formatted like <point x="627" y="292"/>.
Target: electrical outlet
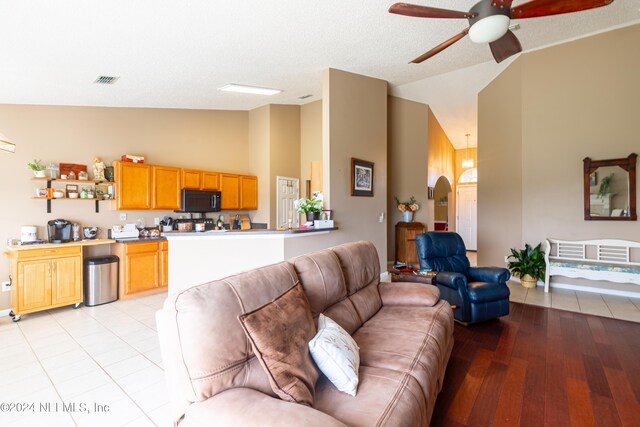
<point x="156" y="221"/>
<point x="506" y="258"/>
<point x="123" y="216"/>
<point x="6" y="286"/>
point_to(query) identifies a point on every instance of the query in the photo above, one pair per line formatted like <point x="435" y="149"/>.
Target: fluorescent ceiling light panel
<point x="232" y="87"/>
<point x="6" y="145"/>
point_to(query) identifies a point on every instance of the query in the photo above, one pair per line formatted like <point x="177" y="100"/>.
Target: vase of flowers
<point x="407" y="208"/>
<point x="310" y="207"/>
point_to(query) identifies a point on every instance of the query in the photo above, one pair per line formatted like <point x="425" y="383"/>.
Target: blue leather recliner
<point x="478" y="293"/>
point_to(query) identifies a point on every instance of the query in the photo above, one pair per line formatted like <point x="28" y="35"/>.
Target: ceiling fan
<point x="489" y="21"/>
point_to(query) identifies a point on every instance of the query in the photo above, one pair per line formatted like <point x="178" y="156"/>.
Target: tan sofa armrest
<point x="248" y="407"/>
<point x="409" y="294"/>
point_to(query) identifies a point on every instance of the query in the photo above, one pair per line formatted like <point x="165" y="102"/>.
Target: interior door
<point x="288" y="190"/>
<point x="467" y="218"/>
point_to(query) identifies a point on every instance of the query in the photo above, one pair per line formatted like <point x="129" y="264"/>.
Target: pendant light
<point x="467" y="162"/>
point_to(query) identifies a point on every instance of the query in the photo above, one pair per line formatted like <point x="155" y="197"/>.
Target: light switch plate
<point x="6" y="286"/>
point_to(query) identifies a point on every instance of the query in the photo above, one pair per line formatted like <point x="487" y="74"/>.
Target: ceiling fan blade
<point x="505" y="47"/>
<point x="427" y="12"/>
<point x="442" y="46"/>
<point x="537" y="8"/>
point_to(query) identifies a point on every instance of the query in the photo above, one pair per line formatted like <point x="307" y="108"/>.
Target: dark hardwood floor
<point x="542" y="367"/>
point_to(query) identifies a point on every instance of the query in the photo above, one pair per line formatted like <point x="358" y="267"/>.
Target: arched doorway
<point x="441" y="197"/>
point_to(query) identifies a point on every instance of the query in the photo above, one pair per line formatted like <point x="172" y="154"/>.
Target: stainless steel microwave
<point x="200" y="201"/>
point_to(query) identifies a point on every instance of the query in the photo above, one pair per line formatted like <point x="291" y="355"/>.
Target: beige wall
<point x="258" y="160"/>
<point x="407" y="161"/>
<point x="354" y="122"/>
<point x="284" y="148"/>
<point x="214" y="140"/>
<point x="537" y="121"/>
<point x="310" y="140"/>
<point x="440" y="162"/>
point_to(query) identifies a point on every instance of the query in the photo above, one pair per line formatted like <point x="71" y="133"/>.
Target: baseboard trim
<point x="594" y="290"/>
<point x="5" y="312"/>
<point x="572" y="287"/>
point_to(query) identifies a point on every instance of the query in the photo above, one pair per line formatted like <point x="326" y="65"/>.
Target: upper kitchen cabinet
<point x="166" y="187"/>
<point x="133" y="185"/>
<point x="248" y="192"/>
<point x="210" y="180"/>
<point x="200" y="180"/>
<point x="191" y="179"/>
<point x="230" y="189"/>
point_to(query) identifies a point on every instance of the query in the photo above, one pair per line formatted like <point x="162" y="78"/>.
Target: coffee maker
<point x="59" y="231"/>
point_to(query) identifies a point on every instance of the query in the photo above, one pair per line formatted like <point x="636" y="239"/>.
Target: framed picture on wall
<point x="361" y="178"/>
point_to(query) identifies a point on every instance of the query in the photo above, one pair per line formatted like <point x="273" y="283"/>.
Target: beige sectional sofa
<point x="404" y="331"/>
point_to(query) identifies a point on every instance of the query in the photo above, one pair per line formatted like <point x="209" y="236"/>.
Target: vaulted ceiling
<point x="175" y="54"/>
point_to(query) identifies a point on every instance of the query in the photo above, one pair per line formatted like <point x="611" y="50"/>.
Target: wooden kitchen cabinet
<point x="45" y="278"/>
<point x="248" y="192"/>
<point x="210" y="180"/>
<point x="166" y="185"/>
<point x="406" y="250"/>
<point x="200" y="180"/>
<point x="191" y="179"/>
<point x="143" y="267"/>
<point x="164" y="263"/>
<point x="230" y="189"/>
<point x="133" y="185"/>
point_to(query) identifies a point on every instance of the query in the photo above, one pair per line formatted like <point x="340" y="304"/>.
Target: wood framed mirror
<point x="610" y="189"/>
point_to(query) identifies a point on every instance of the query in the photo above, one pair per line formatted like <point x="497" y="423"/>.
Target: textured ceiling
<point x="175" y="54"/>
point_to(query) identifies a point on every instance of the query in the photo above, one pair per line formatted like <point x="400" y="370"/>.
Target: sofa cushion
<point x="322" y="279"/>
<point x="336" y="354"/>
<point x="360" y="265"/>
<point x="385" y="398"/>
<point x="413" y="340"/>
<point x="206" y="354"/>
<point x="279" y="333"/>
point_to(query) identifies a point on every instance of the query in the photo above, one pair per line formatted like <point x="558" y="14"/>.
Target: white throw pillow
<point x="336" y="354"/>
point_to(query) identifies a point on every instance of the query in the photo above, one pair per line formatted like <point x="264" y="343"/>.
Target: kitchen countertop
<point x="140" y="239"/>
<point x="244" y="232"/>
<point x="61" y="245"/>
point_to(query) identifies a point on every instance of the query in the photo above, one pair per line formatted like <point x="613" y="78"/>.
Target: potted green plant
<point x="311" y="207"/>
<point x="605" y="186"/>
<point x="528" y="263"/>
<point x="37" y="168"/>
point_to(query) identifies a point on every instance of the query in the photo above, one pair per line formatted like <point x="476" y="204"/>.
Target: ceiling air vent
<point x="305" y="96"/>
<point x="106" y="80"/>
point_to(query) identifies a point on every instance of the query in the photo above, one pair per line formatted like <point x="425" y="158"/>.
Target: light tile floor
<point x="583" y="302"/>
<point x="107" y="355"/>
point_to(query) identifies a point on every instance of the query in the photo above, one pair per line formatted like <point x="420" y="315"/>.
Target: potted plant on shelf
<point x="37" y="168"/>
<point x="529" y="264"/>
<point x="310" y="207"/>
<point x="407" y="208"/>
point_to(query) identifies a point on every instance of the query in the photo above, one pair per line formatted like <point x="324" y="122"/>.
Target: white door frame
<point x="281" y="216"/>
<point x="458" y="187"/>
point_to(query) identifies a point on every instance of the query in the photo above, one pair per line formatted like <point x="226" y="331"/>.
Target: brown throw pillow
<point x="279" y="333"/>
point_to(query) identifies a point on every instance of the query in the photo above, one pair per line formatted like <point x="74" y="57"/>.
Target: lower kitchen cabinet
<point x="143" y="267"/>
<point x="45" y="278"/>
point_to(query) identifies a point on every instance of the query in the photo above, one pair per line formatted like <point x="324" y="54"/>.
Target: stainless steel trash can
<point x="100" y="280"/>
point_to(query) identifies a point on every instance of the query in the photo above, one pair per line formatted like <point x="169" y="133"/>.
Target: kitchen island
<point x="200" y="257"/>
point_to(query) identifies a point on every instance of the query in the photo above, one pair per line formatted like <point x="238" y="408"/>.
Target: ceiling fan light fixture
<point x="489" y="29"/>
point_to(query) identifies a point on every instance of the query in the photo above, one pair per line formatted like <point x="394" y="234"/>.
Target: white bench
<point x="607" y="259"/>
